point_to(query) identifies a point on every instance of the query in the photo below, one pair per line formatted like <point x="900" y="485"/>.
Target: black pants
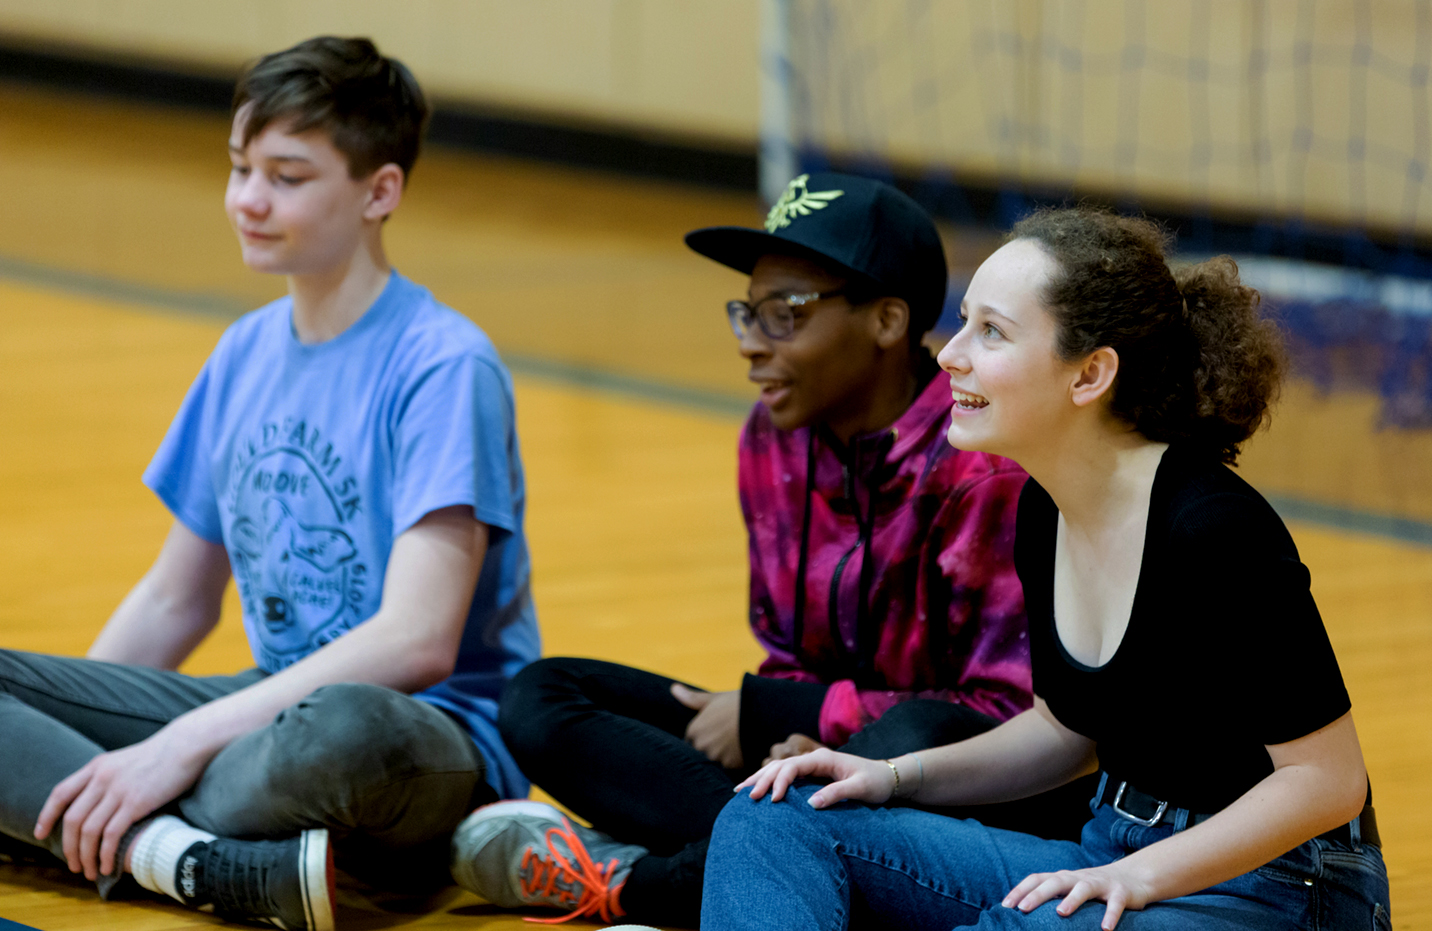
<point x="608" y="741"/>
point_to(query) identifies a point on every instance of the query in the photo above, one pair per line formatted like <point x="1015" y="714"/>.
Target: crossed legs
<point x="383" y="772"/>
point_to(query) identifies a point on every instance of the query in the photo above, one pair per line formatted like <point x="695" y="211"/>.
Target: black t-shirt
<point x="1225" y="651"/>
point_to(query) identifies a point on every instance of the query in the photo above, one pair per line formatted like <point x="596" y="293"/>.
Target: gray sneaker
<point x="527" y="853"/>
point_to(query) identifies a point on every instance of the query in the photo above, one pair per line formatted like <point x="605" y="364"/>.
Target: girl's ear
<point x="892" y="322"/>
<point x="1095" y="377"/>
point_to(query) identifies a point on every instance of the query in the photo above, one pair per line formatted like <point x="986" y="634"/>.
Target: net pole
<point x="778" y="160"/>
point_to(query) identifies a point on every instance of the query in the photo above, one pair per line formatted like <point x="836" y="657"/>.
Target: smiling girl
<point x="1174" y="641"/>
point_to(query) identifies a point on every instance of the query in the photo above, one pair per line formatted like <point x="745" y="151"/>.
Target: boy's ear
<point x="892" y="322"/>
<point x="1095" y="377"/>
<point x="385" y="191"/>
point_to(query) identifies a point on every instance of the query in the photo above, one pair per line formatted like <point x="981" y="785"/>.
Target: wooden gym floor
<point x="118" y="272"/>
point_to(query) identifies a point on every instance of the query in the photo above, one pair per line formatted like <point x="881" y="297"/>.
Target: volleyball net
<point x="1291" y="133"/>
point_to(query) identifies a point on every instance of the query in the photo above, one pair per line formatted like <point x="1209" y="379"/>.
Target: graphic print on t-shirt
<point x="300" y="573"/>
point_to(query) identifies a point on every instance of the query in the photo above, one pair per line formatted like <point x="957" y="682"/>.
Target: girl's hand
<point x="1111" y="884"/>
<point x="854" y="778"/>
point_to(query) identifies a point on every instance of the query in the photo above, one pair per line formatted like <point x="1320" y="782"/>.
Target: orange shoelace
<point x="539" y="877"/>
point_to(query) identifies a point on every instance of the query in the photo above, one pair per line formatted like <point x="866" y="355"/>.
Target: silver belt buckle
<point x="1146" y="822"/>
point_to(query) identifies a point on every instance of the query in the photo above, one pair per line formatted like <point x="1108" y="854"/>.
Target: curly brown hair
<point x="1197" y="363"/>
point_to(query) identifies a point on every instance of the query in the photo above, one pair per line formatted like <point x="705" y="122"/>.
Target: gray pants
<point x="388" y="775"/>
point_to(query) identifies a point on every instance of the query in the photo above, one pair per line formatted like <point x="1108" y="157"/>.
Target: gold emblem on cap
<point x="797" y="201"/>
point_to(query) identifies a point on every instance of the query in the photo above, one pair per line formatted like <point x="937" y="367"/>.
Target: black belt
<point x="1144" y="809"/>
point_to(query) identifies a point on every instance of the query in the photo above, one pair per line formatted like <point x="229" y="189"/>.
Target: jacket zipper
<point x="835" y="632"/>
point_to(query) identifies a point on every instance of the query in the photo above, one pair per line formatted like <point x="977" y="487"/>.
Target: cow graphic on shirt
<point x="299" y="570"/>
<point x="307" y="557"/>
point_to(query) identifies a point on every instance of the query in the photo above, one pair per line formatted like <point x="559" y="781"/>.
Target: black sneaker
<point x="287" y="884"/>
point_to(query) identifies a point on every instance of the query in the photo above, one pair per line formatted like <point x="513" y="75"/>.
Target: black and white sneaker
<point x="287" y="884"/>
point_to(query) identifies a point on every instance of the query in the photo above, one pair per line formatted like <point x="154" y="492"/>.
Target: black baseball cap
<point x="862" y="229"/>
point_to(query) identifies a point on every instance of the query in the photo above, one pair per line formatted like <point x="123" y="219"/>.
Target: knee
<point x="350" y="756"/>
<point x="527" y="700"/>
<point x="1089" y="917"/>
<point x="745" y="827"/>
<point x="912" y="724"/>
<point x="740" y="821"/>
<point x="917" y="725"/>
<point x="346" y="707"/>
<point x="355" y="731"/>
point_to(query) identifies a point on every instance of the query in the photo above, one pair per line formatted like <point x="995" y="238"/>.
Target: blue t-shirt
<point x="307" y="461"/>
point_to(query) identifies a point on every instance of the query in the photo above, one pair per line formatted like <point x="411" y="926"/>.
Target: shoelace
<point x="236" y="879"/>
<point x="539" y="876"/>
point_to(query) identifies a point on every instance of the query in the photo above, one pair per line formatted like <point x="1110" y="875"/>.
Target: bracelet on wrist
<point x="895" y="790"/>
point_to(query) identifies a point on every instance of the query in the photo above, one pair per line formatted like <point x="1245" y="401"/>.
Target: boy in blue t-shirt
<point x="348" y="454"/>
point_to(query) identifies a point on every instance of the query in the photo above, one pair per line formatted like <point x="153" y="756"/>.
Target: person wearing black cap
<point x="882" y="579"/>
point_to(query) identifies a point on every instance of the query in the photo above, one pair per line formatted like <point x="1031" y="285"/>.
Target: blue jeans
<point x="786" y="865"/>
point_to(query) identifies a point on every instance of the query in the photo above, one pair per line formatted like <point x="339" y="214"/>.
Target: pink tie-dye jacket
<point x="928" y="540"/>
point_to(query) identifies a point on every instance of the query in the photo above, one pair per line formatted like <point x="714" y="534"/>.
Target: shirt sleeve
<point x="454" y="444"/>
<point x="773" y="709"/>
<point x="180" y="472"/>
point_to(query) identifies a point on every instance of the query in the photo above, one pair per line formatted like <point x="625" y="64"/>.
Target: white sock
<point x="156" y="851"/>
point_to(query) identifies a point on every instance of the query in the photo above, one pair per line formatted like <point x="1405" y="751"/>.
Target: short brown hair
<point x="370" y="106"/>
<point x="1197" y="363"/>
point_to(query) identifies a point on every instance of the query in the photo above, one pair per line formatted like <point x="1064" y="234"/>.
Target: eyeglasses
<point x="773" y="314"/>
